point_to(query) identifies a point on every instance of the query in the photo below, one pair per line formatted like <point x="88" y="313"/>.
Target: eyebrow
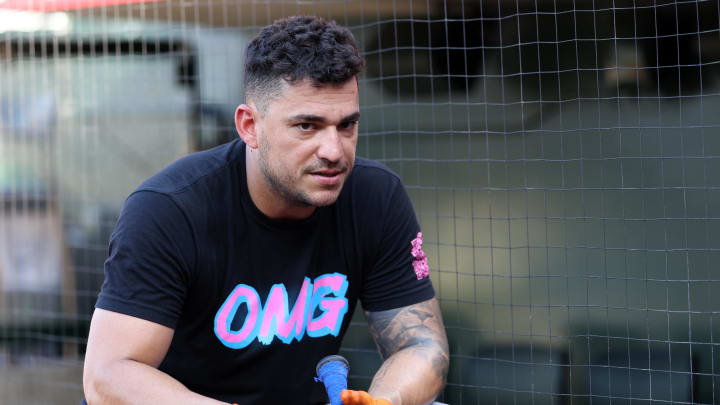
<point x="321" y="120"/>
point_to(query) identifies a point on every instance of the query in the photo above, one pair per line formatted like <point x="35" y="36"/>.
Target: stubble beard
<point x="282" y="184"/>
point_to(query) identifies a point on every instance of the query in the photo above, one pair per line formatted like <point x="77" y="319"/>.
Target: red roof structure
<point x="47" y="6"/>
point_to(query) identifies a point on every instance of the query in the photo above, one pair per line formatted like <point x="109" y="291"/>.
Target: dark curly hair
<point x="298" y="48"/>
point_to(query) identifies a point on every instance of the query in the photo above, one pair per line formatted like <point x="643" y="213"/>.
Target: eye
<point x="305" y="126"/>
<point x="348" y="124"/>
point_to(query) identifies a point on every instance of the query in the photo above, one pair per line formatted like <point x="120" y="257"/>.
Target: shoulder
<point x="372" y="168"/>
<point x="369" y="176"/>
<point x="196" y="167"/>
<point x="375" y="194"/>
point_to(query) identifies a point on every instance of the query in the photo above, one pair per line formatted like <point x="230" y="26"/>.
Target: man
<point x="234" y="270"/>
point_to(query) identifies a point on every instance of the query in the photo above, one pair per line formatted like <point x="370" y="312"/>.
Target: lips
<point x="327" y="173"/>
<point x="327" y="177"/>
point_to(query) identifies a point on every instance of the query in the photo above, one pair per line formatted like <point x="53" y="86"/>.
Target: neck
<point x="265" y="198"/>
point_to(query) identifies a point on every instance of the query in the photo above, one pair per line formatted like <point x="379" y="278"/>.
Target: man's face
<point x="306" y="142"/>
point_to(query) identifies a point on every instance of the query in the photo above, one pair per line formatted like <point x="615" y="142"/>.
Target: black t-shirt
<point x="256" y="302"/>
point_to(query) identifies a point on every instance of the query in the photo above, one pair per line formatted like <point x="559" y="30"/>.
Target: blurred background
<point x="563" y="158"/>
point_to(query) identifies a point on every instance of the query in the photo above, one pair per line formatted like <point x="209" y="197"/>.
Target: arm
<point x="413" y="345"/>
<point x="121" y="362"/>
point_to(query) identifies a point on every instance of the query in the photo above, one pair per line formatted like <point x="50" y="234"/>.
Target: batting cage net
<point x="563" y="159"/>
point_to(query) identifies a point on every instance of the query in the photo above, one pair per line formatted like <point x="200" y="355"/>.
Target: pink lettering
<point x="333" y="308"/>
<point x="325" y="296"/>
<point x="275" y="315"/>
<point x="238" y="339"/>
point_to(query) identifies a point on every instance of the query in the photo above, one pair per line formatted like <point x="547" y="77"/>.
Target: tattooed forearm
<point x="413" y="345"/>
<point x="397" y="329"/>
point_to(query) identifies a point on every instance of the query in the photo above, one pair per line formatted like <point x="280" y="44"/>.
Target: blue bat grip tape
<point x="333" y="371"/>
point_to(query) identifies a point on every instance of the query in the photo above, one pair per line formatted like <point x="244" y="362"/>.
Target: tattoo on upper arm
<point x="417" y="326"/>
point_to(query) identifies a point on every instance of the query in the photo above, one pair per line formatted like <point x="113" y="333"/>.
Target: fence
<point x="562" y="156"/>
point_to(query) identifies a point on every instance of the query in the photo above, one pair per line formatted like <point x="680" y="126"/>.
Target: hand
<point x="350" y="397"/>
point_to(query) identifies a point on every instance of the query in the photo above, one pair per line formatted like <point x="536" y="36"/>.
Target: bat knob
<point x="332" y="371"/>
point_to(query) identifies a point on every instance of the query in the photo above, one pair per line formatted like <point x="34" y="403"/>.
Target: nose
<point x="330" y="148"/>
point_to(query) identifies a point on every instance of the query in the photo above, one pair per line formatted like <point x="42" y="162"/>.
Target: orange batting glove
<point x="350" y="397"/>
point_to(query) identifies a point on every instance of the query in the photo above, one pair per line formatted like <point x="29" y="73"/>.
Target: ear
<point x="245" y="122"/>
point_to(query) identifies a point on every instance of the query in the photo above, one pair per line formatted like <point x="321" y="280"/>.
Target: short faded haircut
<point x="298" y="48"/>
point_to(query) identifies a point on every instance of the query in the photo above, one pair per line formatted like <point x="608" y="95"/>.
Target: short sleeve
<point x="392" y="281"/>
<point x="150" y="260"/>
